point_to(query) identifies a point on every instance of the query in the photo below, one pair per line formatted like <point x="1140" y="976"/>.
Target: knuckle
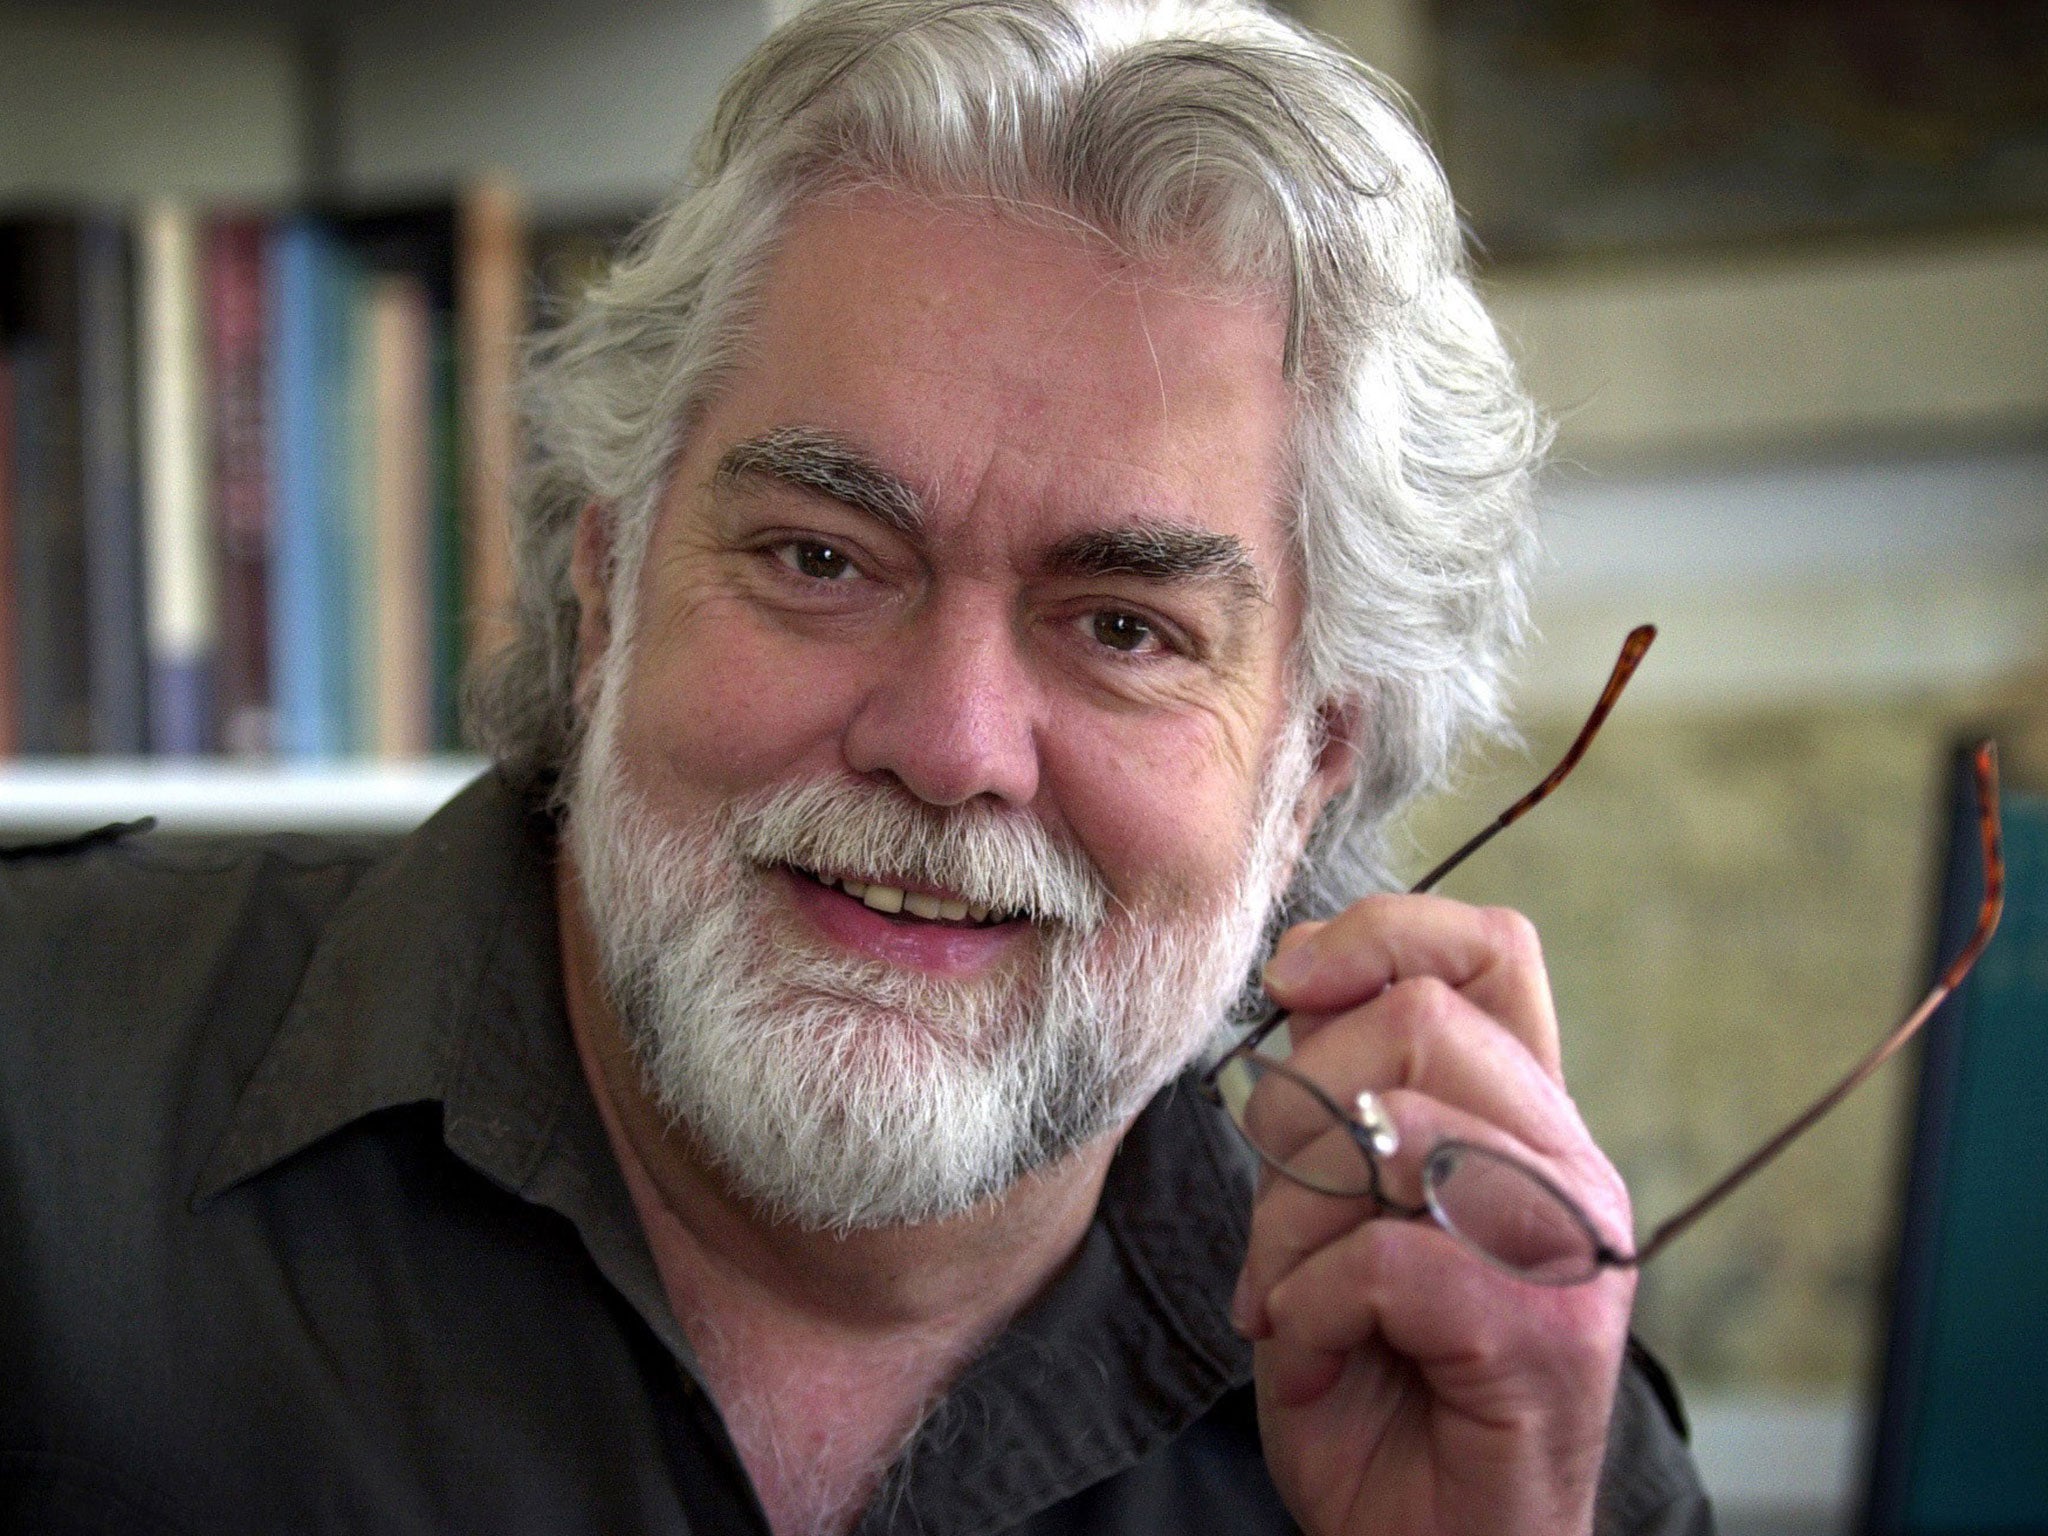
<point x="1371" y="912"/>
<point x="1422" y="1003"/>
<point x="1513" y="935"/>
<point x="1416" y="1012"/>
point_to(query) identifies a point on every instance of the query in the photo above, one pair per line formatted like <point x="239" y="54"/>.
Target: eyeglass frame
<point x="1604" y="1256"/>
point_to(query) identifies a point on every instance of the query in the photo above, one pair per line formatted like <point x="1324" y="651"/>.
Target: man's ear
<point x="1340" y="724"/>
<point x="590" y="571"/>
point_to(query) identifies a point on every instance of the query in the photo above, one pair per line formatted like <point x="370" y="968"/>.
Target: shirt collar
<point x="414" y="993"/>
<point x="438" y="980"/>
<point x="1116" y="1360"/>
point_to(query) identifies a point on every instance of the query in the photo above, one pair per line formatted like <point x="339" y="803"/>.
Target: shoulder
<point x="123" y="915"/>
<point x="147" y="884"/>
<point x="138" y="967"/>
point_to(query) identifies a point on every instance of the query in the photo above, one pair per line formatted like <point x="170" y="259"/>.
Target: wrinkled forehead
<point x="963" y="340"/>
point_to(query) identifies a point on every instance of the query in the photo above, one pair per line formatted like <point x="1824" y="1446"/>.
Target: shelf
<point x="196" y="797"/>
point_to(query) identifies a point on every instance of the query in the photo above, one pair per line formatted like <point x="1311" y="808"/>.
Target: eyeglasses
<point x="1510" y="1213"/>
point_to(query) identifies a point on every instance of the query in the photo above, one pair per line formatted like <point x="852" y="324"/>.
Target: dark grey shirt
<point x="308" y="1223"/>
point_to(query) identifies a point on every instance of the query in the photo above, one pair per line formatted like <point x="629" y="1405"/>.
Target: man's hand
<point x="1406" y="1385"/>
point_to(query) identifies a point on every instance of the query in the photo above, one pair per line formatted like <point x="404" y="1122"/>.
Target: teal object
<point x="1962" y="1443"/>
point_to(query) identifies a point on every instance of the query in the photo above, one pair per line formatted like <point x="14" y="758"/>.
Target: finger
<point x="1424" y="1034"/>
<point x="1491" y="954"/>
<point x="1299" y="934"/>
<point x="1518" y="1381"/>
<point x="1283" y="1110"/>
<point x="1331" y="1186"/>
<point x="1490" y="1344"/>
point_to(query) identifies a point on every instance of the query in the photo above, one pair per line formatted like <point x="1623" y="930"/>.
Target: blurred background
<point x="1779" y="272"/>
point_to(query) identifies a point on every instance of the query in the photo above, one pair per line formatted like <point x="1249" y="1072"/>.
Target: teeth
<point x="893" y="899"/>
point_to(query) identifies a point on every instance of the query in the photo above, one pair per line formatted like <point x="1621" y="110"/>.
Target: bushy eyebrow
<point x="1166" y="552"/>
<point x="815" y="460"/>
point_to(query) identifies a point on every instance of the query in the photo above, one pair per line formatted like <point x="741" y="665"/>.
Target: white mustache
<point x="1005" y="861"/>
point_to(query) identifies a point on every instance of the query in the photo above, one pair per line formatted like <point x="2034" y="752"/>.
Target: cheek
<point x="716" y="706"/>
<point x="1162" y="806"/>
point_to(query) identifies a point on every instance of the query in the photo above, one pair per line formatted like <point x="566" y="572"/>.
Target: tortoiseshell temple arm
<point x="1633" y="650"/>
<point x="1985" y="764"/>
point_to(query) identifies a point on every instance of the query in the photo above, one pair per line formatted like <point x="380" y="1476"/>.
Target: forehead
<point x="1020" y="365"/>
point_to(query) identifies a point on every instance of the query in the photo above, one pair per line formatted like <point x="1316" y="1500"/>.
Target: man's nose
<point x="953" y="711"/>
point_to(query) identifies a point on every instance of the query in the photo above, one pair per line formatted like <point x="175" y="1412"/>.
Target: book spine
<point x="49" y="533"/>
<point x="490" y="316"/>
<point x="25" y="574"/>
<point x="298" y="471"/>
<point x="235" y="354"/>
<point x="9" y="699"/>
<point x="181" y="602"/>
<point x="447" y="540"/>
<point x="345" y="523"/>
<point x="113" y="551"/>
<point x="401" y="347"/>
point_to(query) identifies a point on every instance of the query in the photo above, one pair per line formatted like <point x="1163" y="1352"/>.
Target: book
<point x="180" y="601"/>
<point x="358" y="475"/>
<point x="490" y="296"/>
<point x="7" y="689"/>
<point x="306" y="366"/>
<point x="39" y="292"/>
<point x="346" y="522"/>
<point x="420" y="245"/>
<point x="448" y="537"/>
<point x="400" y="652"/>
<point x="256" y="473"/>
<point x="234" y="265"/>
<point x="116" y="671"/>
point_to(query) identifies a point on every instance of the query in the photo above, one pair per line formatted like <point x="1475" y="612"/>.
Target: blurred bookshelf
<point x="264" y="274"/>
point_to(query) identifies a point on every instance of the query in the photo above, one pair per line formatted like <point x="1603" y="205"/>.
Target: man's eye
<point x="820" y="562"/>
<point x="1122" y="631"/>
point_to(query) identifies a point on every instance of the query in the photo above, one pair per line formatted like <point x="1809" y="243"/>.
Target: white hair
<point x="1172" y="128"/>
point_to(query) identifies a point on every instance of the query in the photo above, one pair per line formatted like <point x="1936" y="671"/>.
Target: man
<point x="1038" y="502"/>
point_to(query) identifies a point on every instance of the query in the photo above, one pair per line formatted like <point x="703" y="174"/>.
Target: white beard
<point x="836" y="1092"/>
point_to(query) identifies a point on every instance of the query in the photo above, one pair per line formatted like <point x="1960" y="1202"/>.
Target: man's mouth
<point x="908" y="905"/>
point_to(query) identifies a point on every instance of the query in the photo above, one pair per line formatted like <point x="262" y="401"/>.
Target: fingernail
<point x="1292" y="966"/>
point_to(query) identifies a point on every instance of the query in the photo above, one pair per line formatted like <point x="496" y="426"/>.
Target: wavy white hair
<point x="1204" y="128"/>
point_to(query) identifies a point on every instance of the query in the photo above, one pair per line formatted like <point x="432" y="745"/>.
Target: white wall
<point x="113" y="104"/>
<point x="590" y="108"/>
<point x="1796" y="581"/>
<point x="1947" y="337"/>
